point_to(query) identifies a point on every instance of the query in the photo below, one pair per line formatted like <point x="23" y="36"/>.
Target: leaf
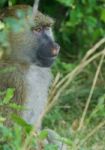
<point x="2" y="119"/>
<point x="2" y="25"/>
<point x="2" y="2"/>
<point x="43" y="134"/>
<point x="66" y="141"/>
<point x="16" y="106"/>
<point x="20" y="121"/>
<point x="103" y="15"/>
<point x="3" y="38"/>
<point x="51" y="147"/>
<point x="66" y="2"/>
<point x="9" y="95"/>
<point x="76" y="16"/>
<point x="91" y="22"/>
<point x="14" y="24"/>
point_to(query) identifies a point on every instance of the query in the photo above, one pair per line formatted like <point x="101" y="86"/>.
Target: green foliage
<point x="14" y="25"/>
<point x="8" y="96"/>
<point x="10" y="138"/>
<point x="67" y="2"/>
<point x="18" y="120"/>
<point x="62" y="67"/>
<point x="50" y="147"/>
<point x="43" y="135"/>
<point x="3" y="35"/>
<point x="2" y="2"/>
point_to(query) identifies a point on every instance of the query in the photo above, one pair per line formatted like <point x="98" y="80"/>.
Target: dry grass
<point x="60" y="84"/>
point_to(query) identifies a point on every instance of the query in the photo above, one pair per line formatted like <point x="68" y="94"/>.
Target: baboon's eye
<point x="40" y="29"/>
<point x="37" y="29"/>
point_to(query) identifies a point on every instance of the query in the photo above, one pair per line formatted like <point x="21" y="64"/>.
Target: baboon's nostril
<point x="55" y="49"/>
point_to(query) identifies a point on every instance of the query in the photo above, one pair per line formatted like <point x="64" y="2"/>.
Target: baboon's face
<point x="47" y="49"/>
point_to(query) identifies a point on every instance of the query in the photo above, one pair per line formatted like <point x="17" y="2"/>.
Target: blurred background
<point x="79" y="25"/>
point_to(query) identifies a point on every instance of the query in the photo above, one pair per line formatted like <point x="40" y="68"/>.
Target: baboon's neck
<point x="38" y="80"/>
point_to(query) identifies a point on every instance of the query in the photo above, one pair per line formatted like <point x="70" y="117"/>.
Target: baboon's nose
<point x="55" y="50"/>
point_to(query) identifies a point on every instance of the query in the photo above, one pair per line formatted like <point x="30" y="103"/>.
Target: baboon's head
<point x="34" y="41"/>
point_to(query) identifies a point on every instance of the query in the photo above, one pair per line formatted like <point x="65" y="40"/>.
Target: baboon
<point x="32" y="50"/>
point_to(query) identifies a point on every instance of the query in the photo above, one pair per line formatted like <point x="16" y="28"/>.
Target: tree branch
<point x="35" y="8"/>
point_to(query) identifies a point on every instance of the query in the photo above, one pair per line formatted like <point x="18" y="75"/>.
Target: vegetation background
<point x="79" y="86"/>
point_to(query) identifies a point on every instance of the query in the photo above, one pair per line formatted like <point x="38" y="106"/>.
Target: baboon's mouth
<point x="47" y="58"/>
<point x="46" y="61"/>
